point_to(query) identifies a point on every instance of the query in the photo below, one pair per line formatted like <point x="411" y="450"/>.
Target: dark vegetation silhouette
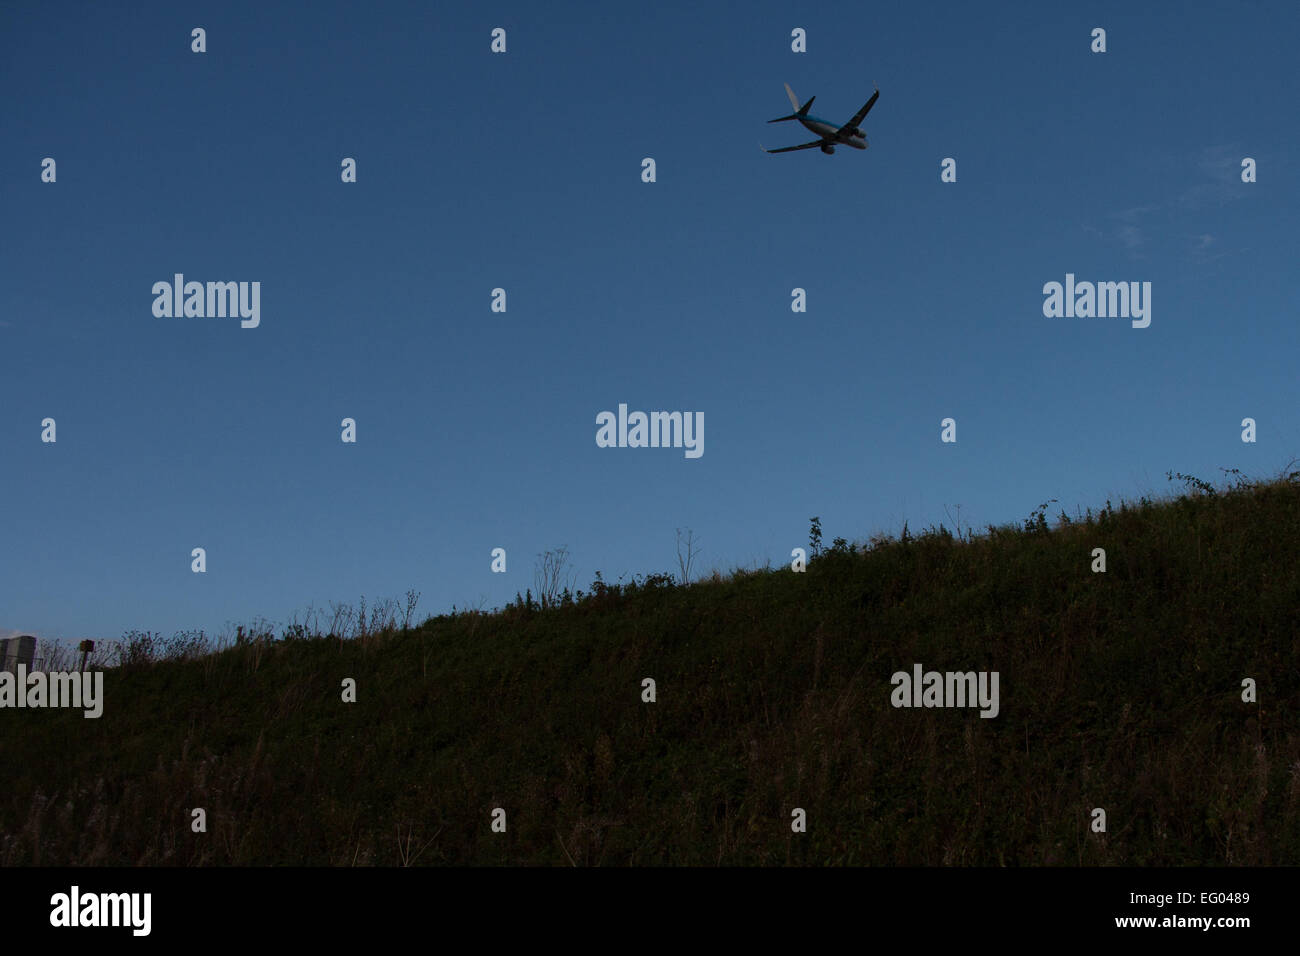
<point x="1119" y="690"/>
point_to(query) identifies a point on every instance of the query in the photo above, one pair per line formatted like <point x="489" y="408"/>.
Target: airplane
<point x="831" y="135"/>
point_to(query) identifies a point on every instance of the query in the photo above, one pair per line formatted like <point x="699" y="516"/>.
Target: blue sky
<point x="522" y="171"/>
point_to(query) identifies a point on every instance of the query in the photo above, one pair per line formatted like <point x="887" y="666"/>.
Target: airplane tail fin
<point x="794" y="101"/>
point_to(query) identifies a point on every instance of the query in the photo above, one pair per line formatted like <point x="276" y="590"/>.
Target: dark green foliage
<point x="815" y="538"/>
<point x="1191" y="481"/>
<point x="1118" y="690"/>
<point x="1036" y="523"/>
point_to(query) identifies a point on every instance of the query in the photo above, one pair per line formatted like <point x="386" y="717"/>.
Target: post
<point x="86" y="648"/>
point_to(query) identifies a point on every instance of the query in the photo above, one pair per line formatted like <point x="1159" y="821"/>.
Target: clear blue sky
<point x="523" y="171"/>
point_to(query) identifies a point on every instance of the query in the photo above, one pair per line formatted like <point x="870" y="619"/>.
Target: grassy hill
<point x="1120" y="690"/>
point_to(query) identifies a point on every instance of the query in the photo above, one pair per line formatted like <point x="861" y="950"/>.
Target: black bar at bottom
<point x="663" y="906"/>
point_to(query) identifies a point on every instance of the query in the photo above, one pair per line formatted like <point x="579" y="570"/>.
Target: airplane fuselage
<point x="834" y="134"/>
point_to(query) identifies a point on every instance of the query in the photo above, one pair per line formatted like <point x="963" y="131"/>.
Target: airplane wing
<point x="861" y="114"/>
<point x="788" y="149"/>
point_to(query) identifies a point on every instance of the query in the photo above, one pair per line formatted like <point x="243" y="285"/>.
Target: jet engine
<point x="828" y="149"/>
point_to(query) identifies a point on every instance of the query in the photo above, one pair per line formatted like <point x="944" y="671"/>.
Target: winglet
<point x="794" y="100"/>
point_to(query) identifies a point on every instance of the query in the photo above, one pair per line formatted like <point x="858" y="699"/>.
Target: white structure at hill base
<point x="15" y="651"/>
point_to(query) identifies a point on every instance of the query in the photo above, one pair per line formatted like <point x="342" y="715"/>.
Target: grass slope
<point x="1120" y="690"/>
